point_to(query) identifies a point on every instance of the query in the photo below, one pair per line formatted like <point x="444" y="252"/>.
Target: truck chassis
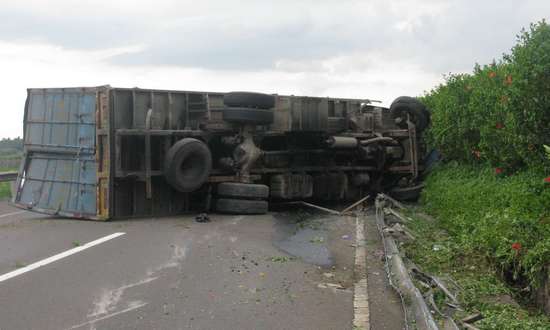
<point x="103" y="152"/>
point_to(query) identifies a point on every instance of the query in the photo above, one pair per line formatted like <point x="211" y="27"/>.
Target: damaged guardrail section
<point x="417" y="289"/>
<point x="8" y="176"/>
<point x="416" y="309"/>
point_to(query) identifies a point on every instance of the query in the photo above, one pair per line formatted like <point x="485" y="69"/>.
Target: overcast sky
<point x="366" y="49"/>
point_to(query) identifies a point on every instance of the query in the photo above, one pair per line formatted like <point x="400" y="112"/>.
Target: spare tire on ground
<point x="187" y="164"/>
<point x="248" y="116"/>
<point x="243" y="190"/>
<point x="418" y="112"/>
<point x="241" y="206"/>
<point x="249" y="100"/>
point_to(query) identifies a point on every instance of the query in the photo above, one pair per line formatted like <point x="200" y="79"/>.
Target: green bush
<point x="501" y="112"/>
<point x="481" y="290"/>
<point x="492" y="196"/>
<point x="504" y="219"/>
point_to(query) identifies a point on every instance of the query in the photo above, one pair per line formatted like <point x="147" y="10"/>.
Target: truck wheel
<point x="248" y="116"/>
<point x="243" y="190"/>
<point x="241" y="206"/>
<point x="249" y="100"/>
<point x="187" y="164"/>
<point x="404" y="105"/>
<point x="411" y="194"/>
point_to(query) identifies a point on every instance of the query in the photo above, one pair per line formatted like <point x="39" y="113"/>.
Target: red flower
<point x="516" y="246"/>
<point x="498" y="170"/>
<point x="547" y="179"/>
<point x="508" y="80"/>
<point x="492" y="74"/>
<point x="477" y="154"/>
<point x="499" y="125"/>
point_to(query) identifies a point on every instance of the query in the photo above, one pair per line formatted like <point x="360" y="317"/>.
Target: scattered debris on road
<point x="331" y="211"/>
<point x="330" y="286"/>
<point x="281" y="259"/>
<point x="203" y="217"/>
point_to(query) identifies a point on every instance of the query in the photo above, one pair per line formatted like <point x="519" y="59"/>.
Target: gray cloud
<point x="253" y="48"/>
<point x="471" y="33"/>
<point x="69" y="31"/>
<point x="447" y="39"/>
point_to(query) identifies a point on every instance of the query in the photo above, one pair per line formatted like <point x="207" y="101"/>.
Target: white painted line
<point x="361" y="315"/>
<point x="129" y="309"/>
<point x="10" y="214"/>
<point x="56" y="257"/>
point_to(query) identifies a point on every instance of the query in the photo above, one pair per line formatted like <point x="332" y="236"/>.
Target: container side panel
<point x="63" y="120"/>
<point x="59" y="183"/>
<point x="142" y="104"/>
<point x="282" y="118"/>
<point x="123" y="105"/>
<point x="59" y="172"/>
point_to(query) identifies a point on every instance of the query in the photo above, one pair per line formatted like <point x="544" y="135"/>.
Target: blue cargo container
<point x="58" y="173"/>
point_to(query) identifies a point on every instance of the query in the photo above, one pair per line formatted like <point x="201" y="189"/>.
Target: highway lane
<point x="235" y="272"/>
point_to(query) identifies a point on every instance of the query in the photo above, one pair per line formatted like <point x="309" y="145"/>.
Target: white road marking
<point x="109" y="298"/>
<point x="129" y="309"/>
<point x="10" y="214"/>
<point x="56" y="257"/>
<point x="361" y="318"/>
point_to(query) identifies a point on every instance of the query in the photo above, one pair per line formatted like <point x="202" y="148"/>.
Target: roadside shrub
<point x="504" y="219"/>
<point x="493" y="129"/>
<point x="501" y="112"/>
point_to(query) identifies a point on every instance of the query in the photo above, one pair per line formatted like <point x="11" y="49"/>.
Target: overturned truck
<point x="103" y="152"/>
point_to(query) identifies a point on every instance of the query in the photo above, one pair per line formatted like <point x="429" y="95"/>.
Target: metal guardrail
<point x="8" y="176"/>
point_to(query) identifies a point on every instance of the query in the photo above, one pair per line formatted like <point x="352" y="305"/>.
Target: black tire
<point x="404" y="105"/>
<point x="187" y="164"/>
<point x="409" y="194"/>
<point x="243" y="190"/>
<point x="241" y="206"/>
<point x="248" y="116"/>
<point x="249" y="100"/>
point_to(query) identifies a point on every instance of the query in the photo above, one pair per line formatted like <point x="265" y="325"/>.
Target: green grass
<point x="482" y="289"/>
<point x="488" y="214"/>
<point x="479" y="217"/>
<point x="5" y="190"/>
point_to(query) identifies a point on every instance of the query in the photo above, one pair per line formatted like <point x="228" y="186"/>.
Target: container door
<point x="58" y="173"/>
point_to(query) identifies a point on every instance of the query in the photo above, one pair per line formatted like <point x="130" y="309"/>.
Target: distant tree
<point x="10" y="146"/>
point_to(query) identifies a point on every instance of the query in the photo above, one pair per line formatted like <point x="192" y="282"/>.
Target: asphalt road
<point x="284" y="270"/>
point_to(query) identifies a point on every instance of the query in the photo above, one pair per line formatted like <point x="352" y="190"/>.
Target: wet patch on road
<point x="304" y="234"/>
